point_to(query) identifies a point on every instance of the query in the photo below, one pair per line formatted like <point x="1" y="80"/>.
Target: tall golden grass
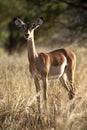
<point x="18" y="107"/>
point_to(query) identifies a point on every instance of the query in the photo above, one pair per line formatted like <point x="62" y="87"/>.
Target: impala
<point x="45" y="66"/>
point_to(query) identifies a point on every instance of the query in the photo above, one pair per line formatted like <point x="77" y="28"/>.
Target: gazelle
<point x="53" y="64"/>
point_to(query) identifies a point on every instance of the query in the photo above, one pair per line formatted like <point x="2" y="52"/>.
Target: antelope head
<point x="27" y="27"/>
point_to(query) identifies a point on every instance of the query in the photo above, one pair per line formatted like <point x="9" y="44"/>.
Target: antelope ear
<point x="18" y="22"/>
<point x="39" y="21"/>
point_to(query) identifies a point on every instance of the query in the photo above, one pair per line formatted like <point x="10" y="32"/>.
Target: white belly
<point x="56" y="72"/>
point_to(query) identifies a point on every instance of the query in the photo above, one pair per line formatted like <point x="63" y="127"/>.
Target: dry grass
<point x="18" y="108"/>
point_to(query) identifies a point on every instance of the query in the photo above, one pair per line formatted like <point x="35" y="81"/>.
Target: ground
<point x="18" y="108"/>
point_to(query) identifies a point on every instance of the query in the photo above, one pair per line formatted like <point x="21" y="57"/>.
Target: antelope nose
<point x="26" y="35"/>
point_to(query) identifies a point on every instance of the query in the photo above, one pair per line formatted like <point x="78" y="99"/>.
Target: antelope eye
<point x="33" y="26"/>
<point x="24" y="26"/>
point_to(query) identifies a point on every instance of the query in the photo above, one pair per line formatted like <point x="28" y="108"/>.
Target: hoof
<point x="71" y="95"/>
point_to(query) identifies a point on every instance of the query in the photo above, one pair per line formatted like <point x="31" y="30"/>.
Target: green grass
<point x="18" y="107"/>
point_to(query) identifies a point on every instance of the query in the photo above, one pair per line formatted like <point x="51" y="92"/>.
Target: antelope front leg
<point x="44" y="95"/>
<point x="38" y="92"/>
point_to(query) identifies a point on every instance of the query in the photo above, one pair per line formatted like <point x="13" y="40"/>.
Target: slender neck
<point x="31" y="48"/>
